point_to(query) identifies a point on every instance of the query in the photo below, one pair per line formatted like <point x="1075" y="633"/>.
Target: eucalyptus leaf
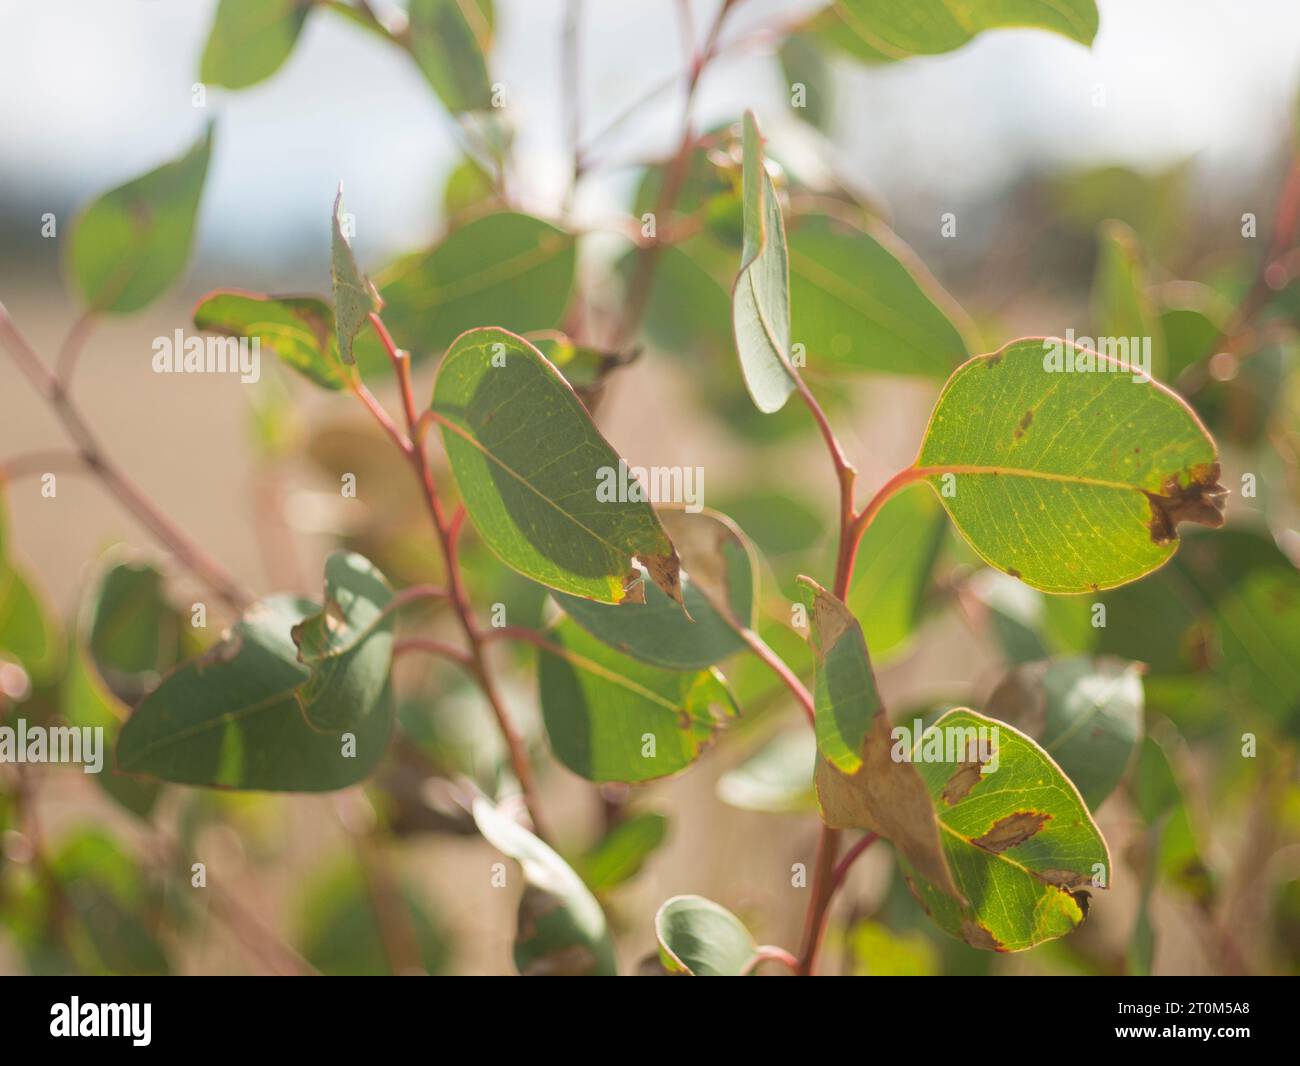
<point x="878" y="30"/>
<point x="355" y="298"/>
<point x="298" y="329"/>
<point x="250" y="40"/>
<point x="760" y="301"/>
<point x="1121" y="306"/>
<point x="720" y="602"/>
<point x="862" y="301"/>
<point x="859" y="783"/>
<point x="896" y="560"/>
<point x="700" y="938"/>
<point x="546" y="492"/>
<point x="623" y="851"/>
<point x="1065" y="469"/>
<point x="232" y="719"/>
<point x="348" y="645"/>
<point x="562" y="930"/>
<point x="87" y="703"/>
<point x="134" y="636"/>
<point x="613" y="718"/>
<point x="130" y="245"/>
<point x="504" y="269"/>
<point x="447" y="39"/>
<point x="1019" y="840"/>
<point x="803" y="64"/>
<point x="27" y="631"/>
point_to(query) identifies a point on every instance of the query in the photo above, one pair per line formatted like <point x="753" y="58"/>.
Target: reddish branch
<point x="447" y="528"/>
<point x="55" y="391"/>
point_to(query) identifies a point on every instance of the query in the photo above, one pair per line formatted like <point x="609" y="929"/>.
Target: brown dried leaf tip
<point x="1200" y="500"/>
<point x="666" y="572"/>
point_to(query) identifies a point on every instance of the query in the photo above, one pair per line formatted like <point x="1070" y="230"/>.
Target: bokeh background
<point x="1178" y="120"/>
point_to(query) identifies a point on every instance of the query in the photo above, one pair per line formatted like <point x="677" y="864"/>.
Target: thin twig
<point x="113" y="477"/>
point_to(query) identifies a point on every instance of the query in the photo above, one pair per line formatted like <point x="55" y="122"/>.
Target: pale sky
<point x="93" y="92"/>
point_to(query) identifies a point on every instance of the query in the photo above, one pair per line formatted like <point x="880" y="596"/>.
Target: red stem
<point x="770" y="953"/>
<point x="448" y="532"/>
<point x="841" y="870"/>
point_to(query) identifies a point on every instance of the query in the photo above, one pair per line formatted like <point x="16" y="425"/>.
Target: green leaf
<point x="720" y="568"/>
<point x="776" y="779"/>
<point x="760" y="301"/>
<point x="689" y="309"/>
<point x="1216" y="627"/>
<point x="299" y="329"/>
<point x="27" y="633"/>
<point x="802" y="63"/>
<point x="231" y="718"/>
<point x="468" y="185"/>
<point x="538" y="480"/>
<point x="623" y="851"/>
<point x="354" y="297"/>
<point x="895" y="561"/>
<point x="700" y="938"/>
<point x="1019" y="840"/>
<point x="859" y="784"/>
<point x="1085" y="712"/>
<point x="1121" y="307"/>
<point x="880" y="29"/>
<point x="250" y="40"/>
<point x="348" y="645"/>
<point x="1168" y="849"/>
<point x="506" y="269"/>
<point x="562" y="930"/>
<point x="130" y="245"/>
<point x="862" y="301"/>
<point x="341" y="929"/>
<point x="1071" y="480"/>
<point x="87" y="703"/>
<point x="134" y="636"/>
<point x="778" y="521"/>
<point x="448" y="39"/>
<point x="612" y="718"/>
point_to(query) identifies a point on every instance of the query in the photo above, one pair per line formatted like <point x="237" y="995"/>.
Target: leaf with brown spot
<point x="1091" y="497"/>
<point x="1017" y="841"/>
<point x="859" y="784"/>
<point x="1011" y="831"/>
<point x="1200" y="501"/>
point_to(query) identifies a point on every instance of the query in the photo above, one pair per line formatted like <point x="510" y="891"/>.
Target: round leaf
<point x="1066" y="469"/>
<point x="612" y="718"/>
<point x="700" y="938"/>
